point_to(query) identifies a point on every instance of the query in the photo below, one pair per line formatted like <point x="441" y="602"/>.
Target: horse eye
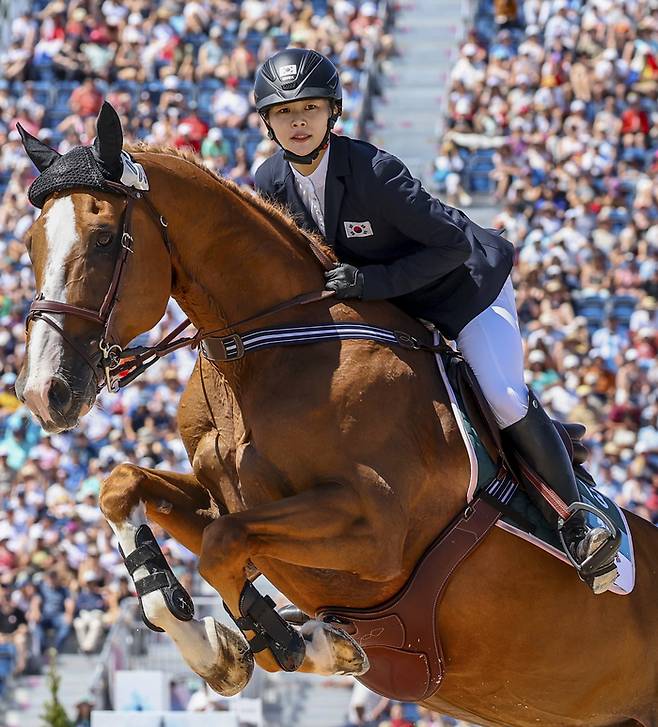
<point x="104" y="239"/>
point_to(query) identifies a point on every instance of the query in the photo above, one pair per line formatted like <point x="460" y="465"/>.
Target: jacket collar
<point x="339" y="168"/>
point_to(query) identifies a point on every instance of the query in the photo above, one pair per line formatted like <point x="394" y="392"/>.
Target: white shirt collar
<point x="318" y="178"/>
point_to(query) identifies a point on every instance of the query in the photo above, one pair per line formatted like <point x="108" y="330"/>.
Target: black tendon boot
<point x="537" y="443"/>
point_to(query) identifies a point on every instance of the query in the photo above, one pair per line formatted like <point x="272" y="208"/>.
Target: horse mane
<point x="277" y="213"/>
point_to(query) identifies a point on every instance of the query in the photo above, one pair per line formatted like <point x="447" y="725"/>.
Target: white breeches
<point x="492" y="345"/>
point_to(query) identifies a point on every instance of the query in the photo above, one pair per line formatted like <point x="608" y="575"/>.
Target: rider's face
<point x="300" y="126"/>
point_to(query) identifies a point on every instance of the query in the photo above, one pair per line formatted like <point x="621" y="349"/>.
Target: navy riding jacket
<point x="428" y="258"/>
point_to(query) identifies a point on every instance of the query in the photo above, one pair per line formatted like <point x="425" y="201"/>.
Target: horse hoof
<point x="234" y="660"/>
<point x="333" y="651"/>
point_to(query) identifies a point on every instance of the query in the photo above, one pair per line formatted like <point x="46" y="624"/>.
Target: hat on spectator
<point x="170" y="82"/>
<point x="368" y="9"/>
<point x="470" y="49"/>
<point x="577" y="106"/>
<point x="132" y="35"/>
<point x="56" y="8"/>
<point x="532" y="30"/>
<point x="536" y="356"/>
<point x="571" y="361"/>
<point x="215" y="134"/>
<point x="624" y="438"/>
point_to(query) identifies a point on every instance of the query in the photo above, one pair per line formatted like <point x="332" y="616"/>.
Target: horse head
<point x="95" y="291"/>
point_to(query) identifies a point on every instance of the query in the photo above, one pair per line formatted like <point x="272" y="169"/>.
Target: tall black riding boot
<point x="592" y="550"/>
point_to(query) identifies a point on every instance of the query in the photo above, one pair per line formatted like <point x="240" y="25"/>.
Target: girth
<point x="401" y="636"/>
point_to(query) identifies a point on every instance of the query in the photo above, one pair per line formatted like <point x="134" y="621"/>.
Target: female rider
<point x="397" y="242"/>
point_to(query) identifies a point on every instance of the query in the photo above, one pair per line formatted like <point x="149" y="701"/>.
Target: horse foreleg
<point x="182" y="506"/>
<point x="334" y="526"/>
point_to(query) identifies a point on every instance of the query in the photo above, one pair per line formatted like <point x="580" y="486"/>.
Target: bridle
<point x="109" y="353"/>
<point x="121" y="366"/>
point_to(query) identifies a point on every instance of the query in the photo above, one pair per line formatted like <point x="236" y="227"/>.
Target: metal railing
<point x="131" y="645"/>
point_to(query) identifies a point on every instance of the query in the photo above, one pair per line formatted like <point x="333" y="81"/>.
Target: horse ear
<point x="41" y="154"/>
<point x="109" y="140"/>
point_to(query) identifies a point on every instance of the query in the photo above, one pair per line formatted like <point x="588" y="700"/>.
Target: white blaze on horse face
<point x="45" y="351"/>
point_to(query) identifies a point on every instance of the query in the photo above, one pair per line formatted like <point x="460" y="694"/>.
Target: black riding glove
<point x="346" y="280"/>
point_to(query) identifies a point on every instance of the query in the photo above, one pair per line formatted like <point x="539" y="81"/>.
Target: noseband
<point x="110" y="352"/>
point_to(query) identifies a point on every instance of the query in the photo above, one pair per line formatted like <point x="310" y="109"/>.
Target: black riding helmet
<point x="294" y="74"/>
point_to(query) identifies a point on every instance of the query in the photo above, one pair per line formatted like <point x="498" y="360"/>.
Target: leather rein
<point x="121" y="366"/>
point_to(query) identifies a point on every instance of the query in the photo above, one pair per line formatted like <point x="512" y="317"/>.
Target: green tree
<point x="54" y="714"/>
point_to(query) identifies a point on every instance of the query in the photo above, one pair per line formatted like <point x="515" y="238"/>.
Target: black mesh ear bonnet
<point x="82" y="166"/>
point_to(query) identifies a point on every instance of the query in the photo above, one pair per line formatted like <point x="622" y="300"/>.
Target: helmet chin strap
<point x="309" y="158"/>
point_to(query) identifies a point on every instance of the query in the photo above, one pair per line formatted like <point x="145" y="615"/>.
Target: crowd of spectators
<point x="179" y="74"/>
<point x="552" y="110"/>
<point x="367" y="709"/>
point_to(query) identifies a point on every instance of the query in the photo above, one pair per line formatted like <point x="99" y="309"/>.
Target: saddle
<point x="400" y="637"/>
<point x="463" y="380"/>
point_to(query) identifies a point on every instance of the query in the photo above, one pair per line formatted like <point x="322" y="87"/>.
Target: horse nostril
<point x="60" y="395"/>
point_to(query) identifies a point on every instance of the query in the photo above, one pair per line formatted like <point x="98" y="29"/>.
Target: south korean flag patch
<point x="358" y="229"/>
<point x="287" y="73"/>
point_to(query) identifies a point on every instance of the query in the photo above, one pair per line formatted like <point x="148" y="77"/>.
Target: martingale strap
<point x="235" y="346"/>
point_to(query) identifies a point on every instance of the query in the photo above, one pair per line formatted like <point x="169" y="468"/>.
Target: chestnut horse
<point x="329" y="468"/>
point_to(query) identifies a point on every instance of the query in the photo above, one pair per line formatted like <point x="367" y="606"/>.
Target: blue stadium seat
<point x="61" y="105"/>
<point x="210" y="84"/>
<point x="204" y="100"/>
<point x="251" y="139"/>
<point x="622" y="307"/>
<point x="132" y="87"/>
<point x="281" y="40"/>
<point x="592" y="307"/>
<point x="481" y="183"/>
<point x="43" y="69"/>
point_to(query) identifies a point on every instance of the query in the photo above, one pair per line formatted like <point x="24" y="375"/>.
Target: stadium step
<point x="32" y="692"/>
<point x="408" y="115"/>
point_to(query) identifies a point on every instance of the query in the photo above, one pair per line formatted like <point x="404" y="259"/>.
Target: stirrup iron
<point x="599" y="561"/>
